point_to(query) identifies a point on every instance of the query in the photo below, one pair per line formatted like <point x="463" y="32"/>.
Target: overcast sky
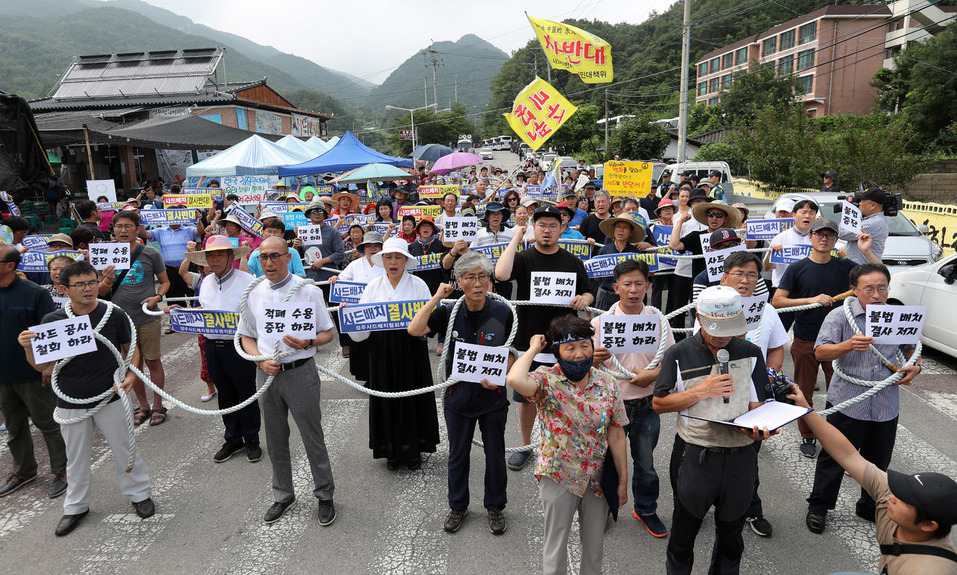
<point x="369" y="38"/>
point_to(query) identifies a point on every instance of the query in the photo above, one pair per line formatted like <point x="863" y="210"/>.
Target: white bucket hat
<point x="721" y="313"/>
<point x="396" y="246"/>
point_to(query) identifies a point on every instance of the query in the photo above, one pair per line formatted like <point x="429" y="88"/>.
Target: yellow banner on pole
<point x="573" y="49"/>
<point x="630" y="179"/>
<point x="538" y="112"/>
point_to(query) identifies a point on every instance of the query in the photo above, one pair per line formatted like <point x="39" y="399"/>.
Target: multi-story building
<point x="833" y="52"/>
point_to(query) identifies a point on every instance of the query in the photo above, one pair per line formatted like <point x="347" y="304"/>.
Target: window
<point x="769" y="46"/>
<point x="714" y="65"/>
<point x="804" y="84"/>
<point x="713" y="86"/>
<point x="787" y="39"/>
<point x="889" y="53"/>
<point x="786" y="65"/>
<point x="741" y="56"/>
<point x="702" y="68"/>
<point x="725" y="81"/>
<point x="702" y="88"/>
<point x="807" y="33"/>
<point x="805" y="59"/>
<point x="726" y="61"/>
<point x="712" y="101"/>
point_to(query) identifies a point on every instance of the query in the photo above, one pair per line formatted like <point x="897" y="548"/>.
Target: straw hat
<point x="215" y="244"/>
<point x="395" y="246"/>
<point x="316" y="205"/>
<point x="353" y="199"/>
<point x="733" y="219"/>
<point x="266" y="214"/>
<point x="637" y="223"/>
<point x="61" y="239"/>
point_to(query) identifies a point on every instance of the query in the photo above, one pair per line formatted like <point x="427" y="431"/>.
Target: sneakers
<point x="57" y="486"/>
<point x="808" y="447"/>
<point x="68" y="523"/>
<point x="652" y="524"/>
<point x="327" y="513"/>
<point x="760" y="526"/>
<point x="209" y="395"/>
<point x="816" y="521"/>
<point x="227" y="451"/>
<point x="455" y="519"/>
<point x="518" y="460"/>
<point x="254" y="453"/>
<point x="497" y="525"/>
<point x="15" y="482"/>
<point x="145" y="509"/>
<point x="276" y="510"/>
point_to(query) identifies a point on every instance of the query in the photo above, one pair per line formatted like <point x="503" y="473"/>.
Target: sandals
<point x="140" y="415"/>
<point x="158" y="416"/>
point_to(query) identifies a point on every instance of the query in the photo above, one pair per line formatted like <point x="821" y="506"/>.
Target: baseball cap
<point x="547" y="212"/>
<point x="723" y="236"/>
<point x="714" y="173"/>
<point x="875" y="195"/>
<point x="60" y="239"/>
<point x="698" y="194"/>
<point x="720" y="312"/>
<point x="823" y="224"/>
<point x="784" y="205"/>
<point x="932" y="494"/>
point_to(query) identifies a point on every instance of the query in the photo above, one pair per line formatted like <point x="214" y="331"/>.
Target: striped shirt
<point x="885" y="404"/>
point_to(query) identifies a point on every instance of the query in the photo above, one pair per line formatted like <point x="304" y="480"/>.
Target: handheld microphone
<point x="723" y="358"/>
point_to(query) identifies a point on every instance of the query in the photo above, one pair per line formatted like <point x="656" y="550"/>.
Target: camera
<point x="893" y="202"/>
<point x="779" y="386"/>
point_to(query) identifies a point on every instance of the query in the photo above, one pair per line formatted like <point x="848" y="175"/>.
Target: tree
<point x="576" y="130"/>
<point x="754" y="92"/>
<point x="638" y="139"/>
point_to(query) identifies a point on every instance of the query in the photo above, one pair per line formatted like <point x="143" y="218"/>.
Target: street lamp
<point x="411" y="112"/>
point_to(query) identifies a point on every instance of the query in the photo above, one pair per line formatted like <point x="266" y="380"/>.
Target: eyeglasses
<point x="716" y="214"/>
<point x="272" y="256"/>
<point x="871" y="290"/>
<point x="750" y="276"/>
<point x="84" y="285"/>
<point x="473" y="278"/>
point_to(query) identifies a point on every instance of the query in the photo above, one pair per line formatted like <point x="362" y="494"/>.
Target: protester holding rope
<point x="296" y="385"/>
<point x="871" y="425"/>
<point x="480" y="320"/>
<point x="87" y="376"/>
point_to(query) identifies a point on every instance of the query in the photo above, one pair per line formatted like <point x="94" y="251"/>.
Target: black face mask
<point x="575" y="370"/>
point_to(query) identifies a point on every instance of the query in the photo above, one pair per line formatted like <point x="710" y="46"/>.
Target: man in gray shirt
<point x="330" y="253"/>
<point x="870" y="425"/>
<point x="873" y="225"/>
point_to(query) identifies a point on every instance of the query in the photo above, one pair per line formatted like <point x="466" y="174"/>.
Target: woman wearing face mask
<point x="582" y="415"/>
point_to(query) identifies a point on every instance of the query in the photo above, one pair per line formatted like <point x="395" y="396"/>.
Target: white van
<point x="702" y="169"/>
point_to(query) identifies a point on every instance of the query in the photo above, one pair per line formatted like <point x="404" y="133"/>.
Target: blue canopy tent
<point x="348" y="153"/>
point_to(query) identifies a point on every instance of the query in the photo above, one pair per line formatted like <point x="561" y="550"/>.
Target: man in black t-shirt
<point x="590" y="225"/>
<point x="87" y="376"/>
<point x="543" y="256"/>
<point x="480" y="320"/>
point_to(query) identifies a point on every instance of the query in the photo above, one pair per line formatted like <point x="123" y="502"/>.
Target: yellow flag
<point x="573" y="49"/>
<point x="538" y="112"/>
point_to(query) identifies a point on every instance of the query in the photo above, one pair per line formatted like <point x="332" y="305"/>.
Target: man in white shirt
<point x="234" y="377"/>
<point x="804" y="213"/>
<point x="295" y="386"/>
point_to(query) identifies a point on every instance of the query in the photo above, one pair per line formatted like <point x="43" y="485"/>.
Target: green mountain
<point x="465" y="71"/>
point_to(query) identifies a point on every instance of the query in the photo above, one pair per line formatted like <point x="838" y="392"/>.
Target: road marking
<point x="945" y="403"/>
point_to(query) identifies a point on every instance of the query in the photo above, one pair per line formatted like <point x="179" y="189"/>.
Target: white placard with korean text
<point x="552" y="287"/>
<point x="850" y="219"/>
<point x="629" y="333"/>
<point x="477" y="362"/>
<point x="463" y="228"/>
<point x="105" y="254"/>
<point x="714" y="261"/>
<point x="894" y="324"/>
<point x="310" y="235"/>
<point x="753" y="310"/>
<point x="62" y="339"/>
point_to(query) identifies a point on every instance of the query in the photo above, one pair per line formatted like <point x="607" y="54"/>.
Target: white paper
<point x="97" y="188"/>
<point x="460" y="228"/>
<point x="753" y="310"/>
<point x="310" y="235"/>
<point x="628" y="333"/>
<point x="297" y="319"/>
<point x="62" y="339"/>
<point x="771" y="414"/>
<point x="105" y="254"/>
<point x="895" y="324"/>
<point x="477" y="362"/>
<point x="714" y="261"/>
<point x="552" y="287"/>
<point x="850" y="219"/>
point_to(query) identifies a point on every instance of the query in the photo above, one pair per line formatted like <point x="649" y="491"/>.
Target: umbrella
<point x="373" y="172"/>
<point x="430" y="152"/>
<point x="455" y="161"/>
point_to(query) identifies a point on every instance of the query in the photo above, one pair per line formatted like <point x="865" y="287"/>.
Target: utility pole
<point x="683" y="105"/>
<point x="425" y="90"/>
<point x="456" y="89"/>
<point x="606" y="125"/>
<point x="535" y="73"/>
<point x="548" y="70"/>
<point x="433" y="56"/>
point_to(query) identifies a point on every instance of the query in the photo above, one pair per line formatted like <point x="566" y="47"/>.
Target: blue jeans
<point x="642" y="429"/>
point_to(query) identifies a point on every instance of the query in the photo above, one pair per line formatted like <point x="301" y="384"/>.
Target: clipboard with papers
<point x="771" y="414"/>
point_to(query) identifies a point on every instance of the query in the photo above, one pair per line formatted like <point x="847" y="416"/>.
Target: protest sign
<point x="491" y="251"/>
<point x="196" y="201"/>
<point x="662" y="235"/>
<point x="381" y="316"/>
<point x="246" y="187"/>
<point x="97" y="188"/>
<point x="37" y="261"/>
<point x="311" y="234"/>
<point x="429" y="261"/>
<point x="205" y="321"/>
<point x="753" y="310"/>
<point x="167" y="217"/>
<point x="553" y="287"/>
<point x="246" y="220"/>
<point x="576" y="50"/>
<point x="538" y="112"/>
<point x="767" y="229"/>
<point x="539" y="193"/>
<point x="280" y="208"/>
<point x="790" y="254"/>
<point x="714" y="261"/>
<point x="628" y="333"/>
<point x="851" y="219"/>
<point x="344" y="291"/>
<point x="463" y="228"/>
<point x="35" y="243"/>
<point x="11" y="205"/>
<point x="603" y="266"/>
<point x="477" y="362"/>
<point x="437" y="192"/>
<point x="418" y="211"/>
<point x="296" y="319"/>
<point x="294" y="219"/>
<point x="61" y="339"/>
<point x="894" y="324"/>
<point x="631" y="179"/>
<point x="380" y="227"/>
<point x="105" y="254"/>
<point x="581" y="249"/>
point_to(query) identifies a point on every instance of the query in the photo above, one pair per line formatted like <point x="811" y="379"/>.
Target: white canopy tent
<point x="296" y="146"/>
<point x="253" y="156"/>
<point x="318" y="145"/>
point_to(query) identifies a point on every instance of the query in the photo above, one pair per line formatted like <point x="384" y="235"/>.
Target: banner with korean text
<point x="573" y="49"/>
<point x="631" y="179"/>
<point x="383" y="316"/>
<point x="538" y="112"/>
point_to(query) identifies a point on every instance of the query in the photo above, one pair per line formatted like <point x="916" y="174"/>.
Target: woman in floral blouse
<point x="582" y="415"/>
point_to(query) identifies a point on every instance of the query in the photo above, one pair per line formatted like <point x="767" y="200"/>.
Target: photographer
<point x="872" y="203"/>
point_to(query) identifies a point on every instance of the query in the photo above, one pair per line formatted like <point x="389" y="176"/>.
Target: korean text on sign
<point x="107" y="254"/>
<point x="576" y="50"/>
<point x="603" y="266"/>
<point x="581" y="249"/>
<point x="553" y="287"/>
<point x="790" y="254"/>
<point x="37" y="261"/>
<point x="311" y="235"/>
<point x="894" y="324"/>
<point x="538" y="112"/>
<point x="197" y="201"/>
<point x="477" y="362"/>
<point x="167" y="217"/>
<point x="850" y="219"/>
<point x="431" y="261"/>
<point x="628" y="334"/>
<point x="753" y="310"/>
<point x="419" y="211"/>
<point x="62" y="339"/>
<point x="437" y="192"/>
<point x="246" y="220"/>
<point x="346" y="292"/>
<point x="767" y="229"/>
<point x="714" y="261"/>
<point x="627" y="178"/>
<point x="463" y="228"/>
<point x="206" y="322"/>
<point x="380" y="316"/>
